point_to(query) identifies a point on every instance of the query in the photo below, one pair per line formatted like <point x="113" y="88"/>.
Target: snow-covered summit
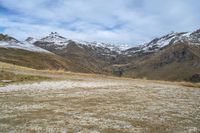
<point x="112" y="47"/>
<point x="9" y="42"/>
<point x="31" y="40"/>
<point x="166" y="40"/>
<point x="195" y="36"/>
<point x="21" y="45"/>
<point x="56" y="40"/>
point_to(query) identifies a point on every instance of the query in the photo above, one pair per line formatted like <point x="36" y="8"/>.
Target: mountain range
<point x="173" y="57"/>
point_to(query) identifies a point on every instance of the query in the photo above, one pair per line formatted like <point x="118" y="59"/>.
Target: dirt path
<point x="99" y="105"/>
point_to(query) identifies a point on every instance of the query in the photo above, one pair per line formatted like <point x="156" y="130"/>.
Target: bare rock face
<point x="195" y="36"/>
<point x="195" y="78"/>
<point x="180" y="55"/>
<point x="7" y="38"/>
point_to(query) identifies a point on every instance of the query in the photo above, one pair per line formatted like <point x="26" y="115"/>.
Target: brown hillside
<point x="176" y="62"/>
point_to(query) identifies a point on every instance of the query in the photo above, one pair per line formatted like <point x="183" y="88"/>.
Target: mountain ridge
<point x="152" y="60"/>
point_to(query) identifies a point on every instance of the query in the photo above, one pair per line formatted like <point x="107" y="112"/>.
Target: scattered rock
<point x="195" y="78"/>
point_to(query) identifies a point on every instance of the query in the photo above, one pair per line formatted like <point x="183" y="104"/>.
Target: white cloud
<point x="117" y="21"/>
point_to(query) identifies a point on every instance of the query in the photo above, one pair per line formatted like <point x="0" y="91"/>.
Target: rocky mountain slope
<point x="91" y="56"/>
<point x="175" y="56"/>
<point x="176" y="62"/>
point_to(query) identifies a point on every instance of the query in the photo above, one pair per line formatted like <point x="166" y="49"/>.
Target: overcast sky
<point x="115" y="21"/>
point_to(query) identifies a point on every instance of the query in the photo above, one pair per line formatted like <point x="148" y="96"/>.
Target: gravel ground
<point x="104" y="105"/>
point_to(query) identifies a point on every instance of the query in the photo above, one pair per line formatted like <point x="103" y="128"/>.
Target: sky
<point x="129" y="22"/>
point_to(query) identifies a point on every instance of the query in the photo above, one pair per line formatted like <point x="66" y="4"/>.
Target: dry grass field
<point x="85" y="103"/>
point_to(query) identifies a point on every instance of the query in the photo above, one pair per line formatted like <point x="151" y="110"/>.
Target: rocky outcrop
<point x="195" y="78"/>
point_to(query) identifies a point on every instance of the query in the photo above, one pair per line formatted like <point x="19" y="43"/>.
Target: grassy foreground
<point x="12" y="77"/>
<point x="11" y="74"/>
<point x="78" y="102"/>
<point x="100" y="105"/>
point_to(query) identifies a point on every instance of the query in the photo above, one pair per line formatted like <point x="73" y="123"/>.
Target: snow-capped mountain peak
<point x="166" y="40"/>
<point x="112" y="47"/>
<point x="31" y="40"/>
<point x="58" y="41"/>
<point x="54" y="34"/>
<point x="195" y="36"/>
<point x="10" y="42"/>
<point x="55" y="38"/>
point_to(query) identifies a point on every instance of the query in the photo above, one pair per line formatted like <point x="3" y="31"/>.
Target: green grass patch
<point x="5" y="75"/>
<point x="2" y="84"/>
